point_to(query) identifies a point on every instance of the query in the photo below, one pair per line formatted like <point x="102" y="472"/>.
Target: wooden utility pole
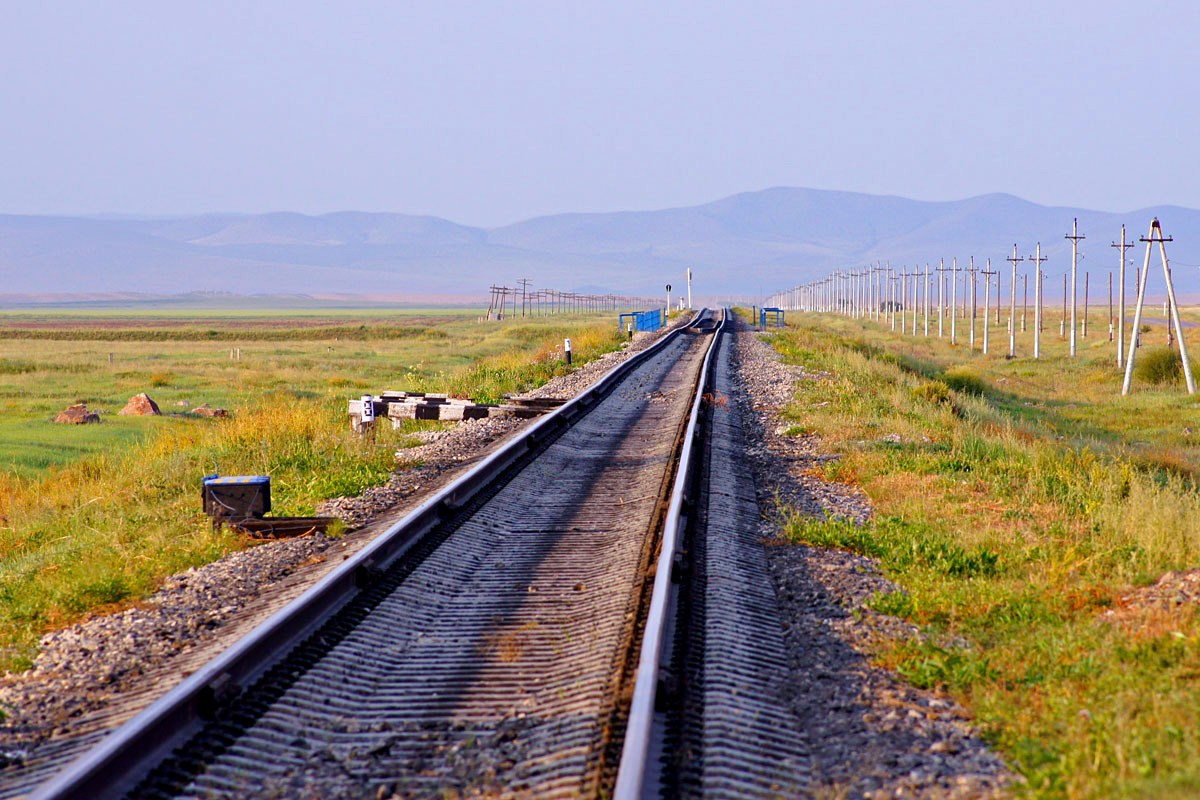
<point x="1074" y="236"/>
<point x="987" y="294"/>
<point x="1037" y="301"/>
<point x="1012" y="306"/>
<point x="1157" y="237"/>
<point x="1121" y="301"/>
<point x="524" y="293"/>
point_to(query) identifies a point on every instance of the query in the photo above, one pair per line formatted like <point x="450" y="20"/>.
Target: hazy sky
<point x="487" y="113"/>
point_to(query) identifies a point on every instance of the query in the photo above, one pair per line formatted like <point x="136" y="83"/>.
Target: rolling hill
<point x="744" y="245"/>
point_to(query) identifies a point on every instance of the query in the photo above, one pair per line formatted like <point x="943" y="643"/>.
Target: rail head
<point x="113" y="767"/>
<point x="636" y="748"/>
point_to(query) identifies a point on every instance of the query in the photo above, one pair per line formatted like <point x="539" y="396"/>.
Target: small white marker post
<point x="567" y="350"/>
<point x="367" y="414"/>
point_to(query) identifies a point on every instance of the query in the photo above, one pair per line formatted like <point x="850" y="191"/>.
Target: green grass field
<point x="95" y="516"/>
<point x="1018" y="503"/>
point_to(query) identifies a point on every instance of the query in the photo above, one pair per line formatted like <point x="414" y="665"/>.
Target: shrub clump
<point x="965" y="380"/>
<point x="1159" y="365"/>
<point x="935" y="392"/>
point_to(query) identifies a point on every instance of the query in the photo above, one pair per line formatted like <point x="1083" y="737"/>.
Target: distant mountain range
<point x="746" y="245"/>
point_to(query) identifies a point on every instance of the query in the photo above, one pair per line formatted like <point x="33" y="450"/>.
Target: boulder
<point x="77" y="415"/>
<point x="140" y="406"/>
<point x="204" y="410"/>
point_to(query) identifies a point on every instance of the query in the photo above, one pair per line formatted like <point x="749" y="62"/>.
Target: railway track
<point x="710" y="717"/>
<point x="487" y="644"/>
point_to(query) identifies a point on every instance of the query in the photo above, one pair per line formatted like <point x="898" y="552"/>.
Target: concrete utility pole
<point x="954" y="301"/>
<point x="941" y="270"/>
<point x="916" y="286"/>
<point x="1012" y="306"/>
<point x="1083" y="333"/>
<point x="1173" y="306"/>
<point x="1024" y="302"/>
<point x="1121" y="301"/>
<point x="997" y="297"/>
<point x="1110" y="307"/>
<point x="926" y="299"/>
<point x="689" y="284"/>
<point x="987" y="294"/>
<point x="1062" y="326"/>
<point x="1074" y="237"/>
<point x="1037" y="302"/>
<point x="974" y="286"/>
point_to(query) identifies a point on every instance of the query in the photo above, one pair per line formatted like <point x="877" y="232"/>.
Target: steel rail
<point x="116" y="764"/>
<point x="636" y="748"/>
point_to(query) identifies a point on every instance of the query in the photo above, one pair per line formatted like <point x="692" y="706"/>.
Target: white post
<point x="1174" y="306"/>
<point x="974" y="287"/>
<point x="987" y="295"/>
<point x="926" y="299"/>
<point x="954" y="301"/>
<point x="1074" y="237"/>
<point x="1137" y="314"/>
<point x="689" y="284"/>
<point x="1037" y="304"/>
<point x="941" y="284"/>
<point x="1012" y="306"/>
<point x="1121" y="303"/>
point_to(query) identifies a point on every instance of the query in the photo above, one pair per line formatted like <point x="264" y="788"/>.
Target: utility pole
<point x="1012" y="306"/>
<point x="1156" y="236"/>
<point x="987" y="294"/>
<point x="974" y="285"/>
<point x="916" y="286"/>
<point x="1110" y="307"/>
<point x="954" y="301"/>
<point x="1024" y="301"/>
<point x="1062" y="326"/>
<point x="926" y="304"/>
<point x="941" y="285"/>
<point x="1074" y="237"/>
<point x="1085" y="304"/>
<point x="524" y="289"/>
<point x="893" y="284"/>
<point x="689" y="284"/>
<point x="1121" y="301"/>
<point x="1037" y="302"/>
<point x="997" y="297"/>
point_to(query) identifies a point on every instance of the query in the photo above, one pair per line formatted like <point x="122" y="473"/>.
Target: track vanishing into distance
<point x="586" y="614"/>
<point x="593" y="610"/>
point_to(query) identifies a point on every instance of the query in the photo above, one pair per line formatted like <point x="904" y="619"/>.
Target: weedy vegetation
<point x="93" y="517"/>
<point x="1022" y="506"/>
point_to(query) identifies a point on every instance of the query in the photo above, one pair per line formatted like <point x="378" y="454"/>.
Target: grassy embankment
<point x="95" y="516"/>
<point x="1021" y="503"/>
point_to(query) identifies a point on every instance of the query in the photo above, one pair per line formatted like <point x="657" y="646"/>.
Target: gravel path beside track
<point x="868" y="734"/>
